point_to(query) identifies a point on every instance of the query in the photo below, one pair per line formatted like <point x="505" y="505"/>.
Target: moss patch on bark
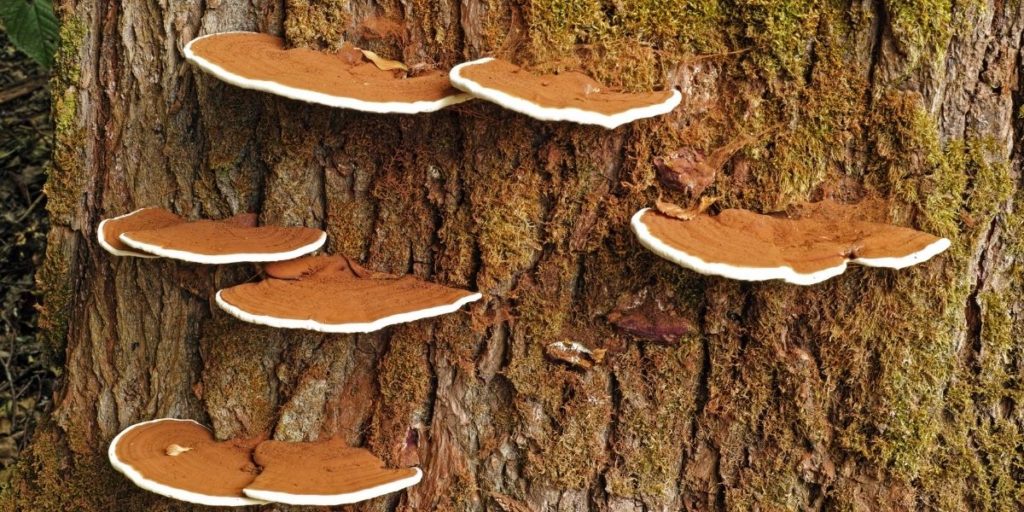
<point x="317" y="23"/>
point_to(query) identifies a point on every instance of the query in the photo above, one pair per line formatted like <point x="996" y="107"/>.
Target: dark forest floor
<point x="26" y="135"/>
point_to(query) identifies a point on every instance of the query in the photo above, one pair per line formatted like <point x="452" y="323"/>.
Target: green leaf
<point x="32" y="27"/>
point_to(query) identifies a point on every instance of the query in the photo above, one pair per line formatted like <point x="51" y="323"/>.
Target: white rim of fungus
<point x="572" y="114"/>
<point x="335" y="499"/>
<point x="166" y="490"/>
<point x="928" y="252"/>
<point x="110" y="248"/>
<point x="378" y="107"/>
<point x="349" y="328"/>
<point x="222" y="259"/>
<point x="786" y="273"/>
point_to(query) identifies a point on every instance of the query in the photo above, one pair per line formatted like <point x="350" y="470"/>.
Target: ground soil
<point x="25" y="141"/>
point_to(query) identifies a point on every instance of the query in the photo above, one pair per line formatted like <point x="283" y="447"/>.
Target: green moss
<point x="64" y="186"/>
<point x="620" y="43"/>
<point x="54" y="286"/>
<point x="980" y="461"/>
<point x="52" y="478"/>
<point x="496" y="35"/>
<point x="404" y="375"/>
<point x="658" y="394"/>
<point x="777" y="32"/>
<point x="461" y="493"/>
<point x="913" y="167"/>
<point x="921" y="26"/>
<point x="66" y="177"/>
<point x="693" y="26"/>
<point x="557" y="26"/>
<point x="569" y="452"/>
<point x="1014" y="226"/>
<point x="507" y="197"/>
<point x="624" y="43"/>
<point x="991" y="181"/>
<point x="791" y="159"/>
<point x="999" y="347"/>
<point x="956" y="190"/>
<point x="317" y="24"/>
<point x="509" y="239"/>
<point x="432" y="17"/>
<point x="885" y="349"/>
<point x="237" y="376"/>
<point x="66" y="59"/>
<point x="980" y="458"/>
<point x="404" y="382"/>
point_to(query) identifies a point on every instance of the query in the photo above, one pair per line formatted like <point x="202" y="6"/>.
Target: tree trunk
<point x="876" y="390"/>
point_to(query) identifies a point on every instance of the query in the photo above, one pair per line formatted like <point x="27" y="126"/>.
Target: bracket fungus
<point x="180" y="459"/>
<point x="334" y="294"/>
<point x="108" y="234"/>
<point x="324" y="473"/>
<point x="153" y="232"/>
<point x="349" y="79"/>
<point x="811" y="246"/>
<point x="569" y="96"/>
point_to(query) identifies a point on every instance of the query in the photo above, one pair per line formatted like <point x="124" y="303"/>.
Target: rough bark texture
<point x="877" y="390"/>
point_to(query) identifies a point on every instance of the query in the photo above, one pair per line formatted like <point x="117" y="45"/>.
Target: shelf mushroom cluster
<point x="321" y="293"/>
<point x="354" y="79"/>
<point x="334" y="294"/>
<point x="571" y="96"/>
<point x="181" y="459"/>
<point x="346" y="79"/>
<point x="816" y="245"/>
<point x="155" y="232"/>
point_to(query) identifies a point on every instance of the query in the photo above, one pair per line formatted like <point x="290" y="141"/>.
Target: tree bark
<point x="876" y="390"/>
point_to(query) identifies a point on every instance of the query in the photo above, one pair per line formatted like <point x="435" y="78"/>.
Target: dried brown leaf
<point x="685" y="169"/>
<point x="678" y="212"/>
<point x="175" y="449"/>
<point x="382" y="63"/>
<point x="651" y="316"/>
<point x="575" y="354"/>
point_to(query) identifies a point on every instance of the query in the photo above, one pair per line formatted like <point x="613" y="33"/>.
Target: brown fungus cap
<point x="334" y="294"/>
<point x="153" y="232"/>
<point x="815" y="243"/>
<point x="346" y="79"/>
<point x="180" y="459"/>
<point x="232" y="240"/>
<point x="323" y="473"/>
<point x="568" y="96"/>
<point x="110" y="230"/>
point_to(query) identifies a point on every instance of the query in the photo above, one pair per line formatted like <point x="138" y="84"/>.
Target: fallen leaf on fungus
<point x="382" y="63"/>
<point x="678" y="212"/>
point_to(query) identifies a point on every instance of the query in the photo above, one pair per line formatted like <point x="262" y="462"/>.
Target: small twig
<point x="12" y="414"/>
<point x="31" y="207"/>
<point x="21" y="89"/>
